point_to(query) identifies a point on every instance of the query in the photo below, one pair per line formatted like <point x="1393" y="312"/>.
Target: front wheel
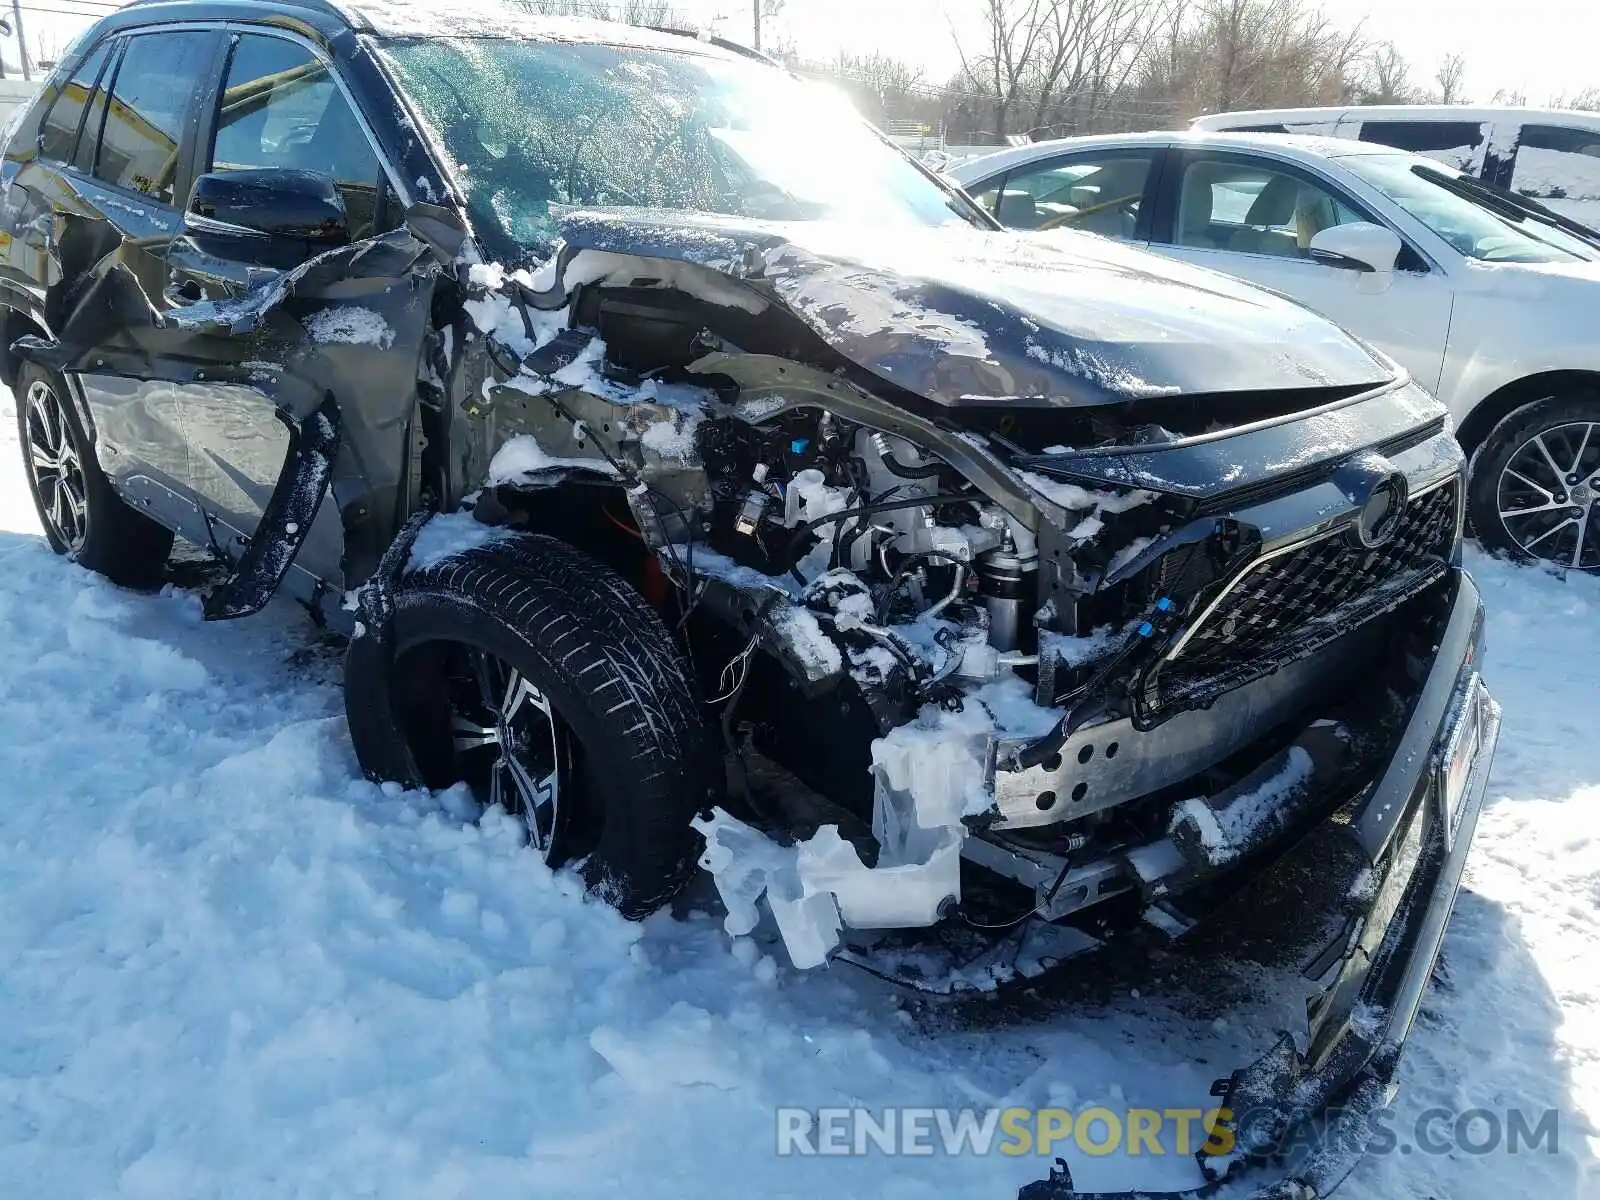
<point x="1534" y="492"/>
<point x="81" y="515"/>
<point x="540" y="679"/>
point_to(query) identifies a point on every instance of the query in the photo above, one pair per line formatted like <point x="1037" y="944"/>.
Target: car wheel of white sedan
<point x="1535" y="489"/>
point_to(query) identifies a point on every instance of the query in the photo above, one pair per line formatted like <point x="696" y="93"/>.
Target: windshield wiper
<point x="1507" y="203"/>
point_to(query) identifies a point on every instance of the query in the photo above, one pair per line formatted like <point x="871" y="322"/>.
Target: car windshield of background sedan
<point x="536" y="129"/>
<point x="1473" y="229"/>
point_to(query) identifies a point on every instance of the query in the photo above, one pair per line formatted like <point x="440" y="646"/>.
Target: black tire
<point x="112" y="537"/>
<point x="1520" y="504"/>
<point x="606" y="665"/>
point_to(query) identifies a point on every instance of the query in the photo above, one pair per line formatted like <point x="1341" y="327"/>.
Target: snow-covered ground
<point x="230" y="968"/>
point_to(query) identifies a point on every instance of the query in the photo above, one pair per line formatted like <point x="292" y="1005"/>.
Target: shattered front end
<point x="1132" y="695"/>
<point x="1017" y="645"/>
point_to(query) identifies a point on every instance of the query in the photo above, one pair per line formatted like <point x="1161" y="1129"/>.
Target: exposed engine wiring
<point x="899" y="578"/>
<point x="792" y="551"/>
<point x="735" y="672"/>
<point x="622" y="525"/>
<point x="637" y="487"/>
<point x="894" y="466"/>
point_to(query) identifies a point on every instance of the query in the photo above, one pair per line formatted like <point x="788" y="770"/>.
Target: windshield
<point x="539" y="128"/>
<point x="1471" y="227"/>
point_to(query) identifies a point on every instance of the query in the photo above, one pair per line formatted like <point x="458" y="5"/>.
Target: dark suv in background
<point x="678" y="456"/>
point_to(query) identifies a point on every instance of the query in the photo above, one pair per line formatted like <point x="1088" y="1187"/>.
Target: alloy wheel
<point x="56" y="467"/>
<point x="1549" y="495"/>
<point x="511" y="746"/>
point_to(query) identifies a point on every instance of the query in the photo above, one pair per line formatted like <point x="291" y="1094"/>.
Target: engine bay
<point x="938" y="659"/>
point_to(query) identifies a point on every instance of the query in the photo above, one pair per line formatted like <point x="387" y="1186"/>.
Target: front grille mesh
<point x="1290" y="605"/>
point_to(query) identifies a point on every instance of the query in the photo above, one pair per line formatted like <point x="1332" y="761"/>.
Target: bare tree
<point x="1089" y="65"/>
<point x="892" y="83"/>
<point x="1510" y="97"/>
<point x="1093" y="49"/>
<point x="1587" y="100"/>
<point x="1386" y="77"/>
<point x="48" y="46"/>
<point x="1232" y="54"/>
<point x="1014" y="34"/>
<point x="1061" y="59"/>
<point x="1450" y="77"/>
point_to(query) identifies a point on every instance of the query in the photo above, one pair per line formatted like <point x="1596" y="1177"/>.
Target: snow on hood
<point x="968" y="316"/>
<point x="1543" y="280"/>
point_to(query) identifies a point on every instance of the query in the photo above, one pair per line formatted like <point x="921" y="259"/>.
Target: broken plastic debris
<point x="815" y="886"/>
<point x="893" y="894"/>
<point x="746" y="865"/>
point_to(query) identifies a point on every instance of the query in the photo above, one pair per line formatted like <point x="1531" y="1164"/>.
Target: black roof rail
<point x="321" y="7"/>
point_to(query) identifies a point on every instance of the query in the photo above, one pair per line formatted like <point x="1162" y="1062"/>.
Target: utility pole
<point x="22" y="42"/>
<point x="757" y="4"/>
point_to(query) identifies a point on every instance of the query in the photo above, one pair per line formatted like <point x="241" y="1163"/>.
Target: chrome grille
<point x="1290" y="604"/>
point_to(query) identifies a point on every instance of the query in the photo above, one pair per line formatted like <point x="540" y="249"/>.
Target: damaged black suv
<point x="695" y="476"/>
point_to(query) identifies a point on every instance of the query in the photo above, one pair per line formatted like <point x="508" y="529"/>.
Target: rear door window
<point x="1453" y="142"/>
<point x="94" y="122"/>
<point x="1555" y="163"/>
<point x="152" y="100"/>
<point x="58" y="138"/>
<point x="280" y="107"/>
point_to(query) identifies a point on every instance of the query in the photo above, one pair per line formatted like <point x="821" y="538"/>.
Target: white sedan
<point x="1487" y="301"/>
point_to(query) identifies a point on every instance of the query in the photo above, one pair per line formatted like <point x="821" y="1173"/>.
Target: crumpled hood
<point x="965" y="316"/>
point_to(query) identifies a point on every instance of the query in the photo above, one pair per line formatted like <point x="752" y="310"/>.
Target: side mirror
<point x="1358" y="246"/>
<point x="299" y="210"/>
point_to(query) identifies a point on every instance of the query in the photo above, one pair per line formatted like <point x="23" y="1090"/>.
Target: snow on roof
<point x="974" y="170"/>
<point x="496" y="18"/>
<point x="1399" y="112"/>
<point x="1319" y="144"/>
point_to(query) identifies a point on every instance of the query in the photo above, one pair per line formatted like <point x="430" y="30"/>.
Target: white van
<point x="1549" y="155"/>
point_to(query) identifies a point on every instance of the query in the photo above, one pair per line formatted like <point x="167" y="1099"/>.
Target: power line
<point x="92" y="14"/>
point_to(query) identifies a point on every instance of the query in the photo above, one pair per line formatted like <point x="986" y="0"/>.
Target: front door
<point x="119" y="149"/>
<point x="1254" y="218"/>
<point x="279" y="107"/>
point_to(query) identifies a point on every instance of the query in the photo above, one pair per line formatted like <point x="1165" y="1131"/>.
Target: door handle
<point x="187" y="292"/>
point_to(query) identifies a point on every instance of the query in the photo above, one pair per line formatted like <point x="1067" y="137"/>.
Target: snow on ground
<point x="230" y="968"/>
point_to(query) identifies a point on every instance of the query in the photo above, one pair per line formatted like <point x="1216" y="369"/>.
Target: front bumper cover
<point x="1414" y="827"/>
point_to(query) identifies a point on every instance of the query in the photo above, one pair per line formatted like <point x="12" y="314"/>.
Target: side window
<point x="89" y="139"/>
<point x="1251" y="208"/>
<point x="1558" y="163"/>
<point x="281" y="108"/>
<point x="1098" y="195"/>
<point x="990" y="196"/>
<point x="1453" y="142"/>
<point x="58" y="137"/>
<point x="157" y="81"/>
